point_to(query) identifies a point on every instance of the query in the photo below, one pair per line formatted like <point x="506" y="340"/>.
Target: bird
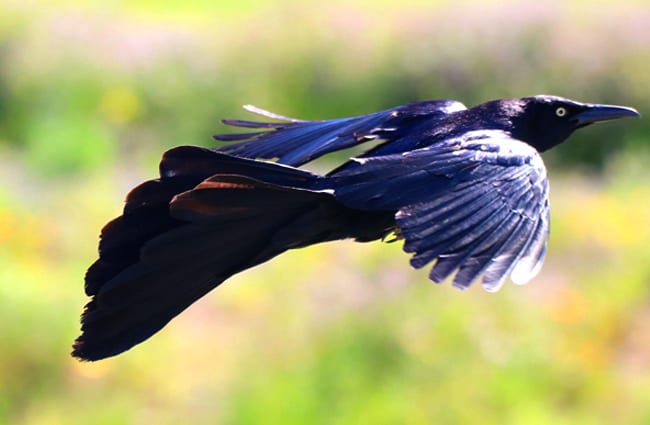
<point x="465" y="189"/>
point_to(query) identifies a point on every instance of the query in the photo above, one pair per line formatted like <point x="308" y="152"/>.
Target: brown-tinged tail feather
<point x="208" y="217"/>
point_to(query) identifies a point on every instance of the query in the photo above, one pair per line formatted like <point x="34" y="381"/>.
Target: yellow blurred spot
<point x="23" y="232"/>
<point x="7" y="226"/>
<point x="120" y="105"/>
<point x="592" y="354"/>
<point x="94" y="370"/>
<point x="608" y="220"/>
<point x="569" y="307"/>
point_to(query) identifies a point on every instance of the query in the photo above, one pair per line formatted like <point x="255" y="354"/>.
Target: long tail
<point x="208" y="217"/>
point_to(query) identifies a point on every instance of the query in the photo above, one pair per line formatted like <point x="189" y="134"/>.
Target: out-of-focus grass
<point x="91" y="93"/>
<point x="343" y="332"/>
<point x="82" y="82"/>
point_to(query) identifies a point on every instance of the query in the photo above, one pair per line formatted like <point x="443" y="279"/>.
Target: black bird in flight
<point x="465" y="188"/>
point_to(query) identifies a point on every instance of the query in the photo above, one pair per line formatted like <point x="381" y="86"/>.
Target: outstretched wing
<point x="476" y="204"/>
<point x="295" y="142"/>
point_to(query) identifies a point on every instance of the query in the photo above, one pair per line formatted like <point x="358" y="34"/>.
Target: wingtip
<point x="493" y="287"/>
<point x="259" y="111"/>
<point x="525" y="270"/>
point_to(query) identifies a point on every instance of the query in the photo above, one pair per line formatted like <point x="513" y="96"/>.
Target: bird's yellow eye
<point x="560" y="112"/>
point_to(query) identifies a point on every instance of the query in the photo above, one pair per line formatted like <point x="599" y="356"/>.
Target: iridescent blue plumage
<point x="465" y="188"/>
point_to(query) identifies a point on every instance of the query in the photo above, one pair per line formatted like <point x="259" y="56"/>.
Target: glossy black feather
<point x="206" y="218"/>
<point x="465" y="188"/>
<point x="298" y="142"/>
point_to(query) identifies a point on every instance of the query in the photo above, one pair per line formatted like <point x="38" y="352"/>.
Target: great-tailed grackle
<point x="465" y="188"/>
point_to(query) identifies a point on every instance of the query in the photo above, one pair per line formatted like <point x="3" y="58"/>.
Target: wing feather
<point x="295" y="142"/>
<point x="476" y="204"/>
<point x="446" y="265"/>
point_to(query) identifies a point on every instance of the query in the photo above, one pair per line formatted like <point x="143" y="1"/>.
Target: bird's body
<point x="465" y="188"/>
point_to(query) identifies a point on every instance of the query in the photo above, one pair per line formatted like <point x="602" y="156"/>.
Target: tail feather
<point x="146" y="211"/>
<point x="184" y="234"/>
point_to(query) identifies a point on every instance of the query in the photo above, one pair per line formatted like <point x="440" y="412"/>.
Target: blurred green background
<point x="91" y="94"/>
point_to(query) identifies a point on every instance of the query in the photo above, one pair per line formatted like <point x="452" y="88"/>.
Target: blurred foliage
<point x="83" y="82"/>
<point x="92" y="92"/>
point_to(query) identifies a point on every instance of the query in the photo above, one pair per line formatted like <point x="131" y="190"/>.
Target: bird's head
<point x="546" y="121"/>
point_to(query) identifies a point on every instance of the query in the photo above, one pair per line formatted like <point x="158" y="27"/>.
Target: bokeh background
<point x="91" y="94"/>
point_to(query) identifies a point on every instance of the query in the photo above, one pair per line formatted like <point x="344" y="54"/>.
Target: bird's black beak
<point x="596" y="113"/>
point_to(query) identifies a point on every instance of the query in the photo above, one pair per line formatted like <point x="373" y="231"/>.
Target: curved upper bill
<point x="595" y="113"/>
